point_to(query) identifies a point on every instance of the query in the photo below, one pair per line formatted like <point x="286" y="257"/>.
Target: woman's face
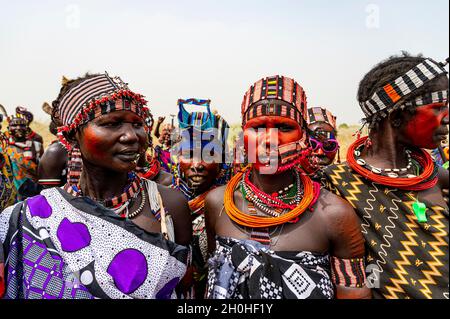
<point x="113" y="141"/>
<point x="199" y="175"/>
<point x="265" y="134"/>
<point x="428" y="127"/>
<point x="18" y="131"/>
<point x="165" y="136"/>
<point x="320" y="132"/>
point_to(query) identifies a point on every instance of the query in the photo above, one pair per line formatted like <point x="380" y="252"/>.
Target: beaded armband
<point x="348" y="272"/>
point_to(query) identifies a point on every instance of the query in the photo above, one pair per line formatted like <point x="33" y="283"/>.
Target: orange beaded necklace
<point x="311" y="193"/>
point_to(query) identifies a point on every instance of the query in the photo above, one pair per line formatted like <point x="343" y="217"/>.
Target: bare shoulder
<point x="164" y="178"/>
<point x="214" y="199"/>
<point x="334" y="210"/>
<point x="172" y="197"/>
<point x="56" y="151"/>
<point x="443" y="176"/>
<point x="176" y="205"/>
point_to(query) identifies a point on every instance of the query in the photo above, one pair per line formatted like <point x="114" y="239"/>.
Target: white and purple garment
<point x="62" y="247"/>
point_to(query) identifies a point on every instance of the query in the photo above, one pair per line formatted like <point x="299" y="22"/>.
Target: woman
<point x="393" y="183"/>
<point x="322" y="136"/>
<point x="272" y="231"/>
<point x="201" y="167"/>
<point x="24" y="157"/>
<point x="111" y="234"/>
<point x="162" y="151"/>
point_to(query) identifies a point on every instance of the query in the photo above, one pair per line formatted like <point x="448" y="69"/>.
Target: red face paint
<point x="114" y="140"/>
<point x="94" y="141"/>
<point x="427" y="128"/>
<point x="261" y="132"/>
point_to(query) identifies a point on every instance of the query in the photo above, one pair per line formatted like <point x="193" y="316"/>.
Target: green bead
<point x="420" y="210"/>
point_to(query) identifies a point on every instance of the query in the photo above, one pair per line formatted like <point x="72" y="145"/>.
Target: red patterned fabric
<point x="278" y="88"/>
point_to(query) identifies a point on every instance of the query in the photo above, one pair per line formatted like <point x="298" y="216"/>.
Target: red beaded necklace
<point x="427" y="179"/>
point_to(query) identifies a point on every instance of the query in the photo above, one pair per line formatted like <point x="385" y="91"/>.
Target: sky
<point x="215" y="50"/>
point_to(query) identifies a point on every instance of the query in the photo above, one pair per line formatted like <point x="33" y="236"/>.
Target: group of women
<point x="117" y="219"/>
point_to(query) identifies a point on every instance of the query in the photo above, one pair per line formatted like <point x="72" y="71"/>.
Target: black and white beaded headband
<point x="388" y="96"/>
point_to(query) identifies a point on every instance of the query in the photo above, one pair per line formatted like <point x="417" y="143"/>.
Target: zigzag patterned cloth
<point x="405" y="259"/>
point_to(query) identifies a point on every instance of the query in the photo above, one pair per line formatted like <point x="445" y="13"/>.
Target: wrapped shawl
<point x="63" y="247"/>
<point x="406" y="259"/>
<point x="246" y="269"/>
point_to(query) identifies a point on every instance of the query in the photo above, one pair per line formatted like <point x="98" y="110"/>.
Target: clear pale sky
<point x="211" y="49"/>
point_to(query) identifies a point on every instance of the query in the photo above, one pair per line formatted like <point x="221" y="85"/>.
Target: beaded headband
<point x="22" y="117"/>
<point x="200" y="120"/>
<point x="385" y="98"/>
<point x="277" y="88"/>
<point x="94" y="97"/>
<point x="319" y="114"/>
<point x="12" y="121"/>
<point x="429" y="98"/>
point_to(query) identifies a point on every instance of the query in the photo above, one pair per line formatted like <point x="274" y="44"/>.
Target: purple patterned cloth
<point x="61" y="247"/>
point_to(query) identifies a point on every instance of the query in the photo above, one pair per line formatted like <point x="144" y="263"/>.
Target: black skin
<point x="323" y="159"/>
<point x="332" y="227"/>
<point x="105" y="173"/>
<point x="158" y="125"/>
<point x="163" y="178"/>
<point x="390" y="140"/>
<point x="53" y="162"/>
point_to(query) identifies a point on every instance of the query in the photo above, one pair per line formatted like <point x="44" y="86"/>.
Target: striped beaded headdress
<point x="276" y="88"/>
<point x="319" y="114"/>
<point x="201" y="122"/>
<point x="386" y="98"/>
<point x="95" y="96"/>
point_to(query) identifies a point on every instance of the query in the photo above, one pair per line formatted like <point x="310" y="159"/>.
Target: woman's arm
<point x="347" y="252"/>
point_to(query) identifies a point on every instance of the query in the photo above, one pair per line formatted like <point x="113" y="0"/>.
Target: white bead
<point x="376" y="170"/>
<point x="392" y="175"/>
<point x="410" y="176"/>
<point x="357" y="153"/>
<point x="361" y="162"/>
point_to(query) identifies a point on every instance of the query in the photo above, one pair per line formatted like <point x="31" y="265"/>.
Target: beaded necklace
<point x="272" y="205"/>
<point x="311" y="191"/>
<point x="119" y="203"/>
<point x="389" y="172"/>
<point x="427" y="179"/>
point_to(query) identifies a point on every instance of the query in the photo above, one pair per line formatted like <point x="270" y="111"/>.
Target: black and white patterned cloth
<point x="245" y="269"/>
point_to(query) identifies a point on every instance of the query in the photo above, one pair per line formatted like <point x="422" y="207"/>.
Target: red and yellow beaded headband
<point x="275" y="88"/>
